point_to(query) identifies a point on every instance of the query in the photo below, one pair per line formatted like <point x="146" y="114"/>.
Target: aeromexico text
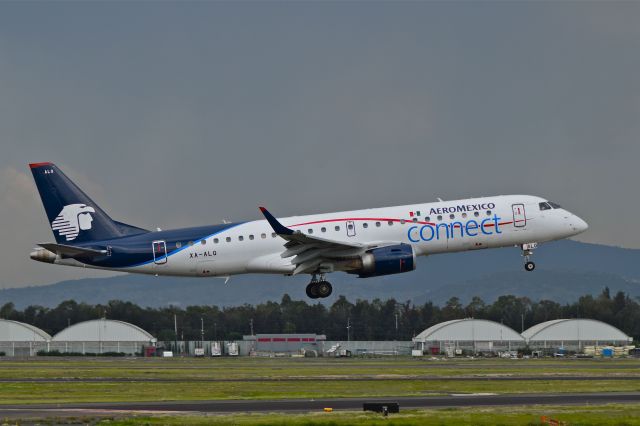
<point x="462" y="208"/>
<point x="456" y="229"/>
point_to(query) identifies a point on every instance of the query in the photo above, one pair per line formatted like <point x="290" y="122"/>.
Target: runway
<point x="302" y="405"/>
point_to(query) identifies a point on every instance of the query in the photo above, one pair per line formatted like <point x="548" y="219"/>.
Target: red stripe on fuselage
<point x="384" y="219"/>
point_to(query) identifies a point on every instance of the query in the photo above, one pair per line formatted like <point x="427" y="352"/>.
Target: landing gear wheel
<point x="527" y="251"/>
<point x="324" y="289"/>
<point x="312" y="290"/>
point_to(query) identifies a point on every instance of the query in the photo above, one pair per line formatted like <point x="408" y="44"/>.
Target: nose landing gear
<point x="527" y="251"/>
<point x="319" y="288"/>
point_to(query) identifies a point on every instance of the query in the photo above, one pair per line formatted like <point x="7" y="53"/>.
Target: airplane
<point x="369" y="243"/>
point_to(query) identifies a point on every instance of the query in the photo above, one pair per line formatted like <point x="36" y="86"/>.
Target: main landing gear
<point x="527" y="251"/>
<point x="319" y="288"/>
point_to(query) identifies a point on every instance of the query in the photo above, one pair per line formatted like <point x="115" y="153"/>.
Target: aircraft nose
<point x="578" y="224"/>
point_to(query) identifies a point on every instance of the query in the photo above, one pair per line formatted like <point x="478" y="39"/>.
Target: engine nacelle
<point x="387" y="260"/>
<point x="43" y="255"/>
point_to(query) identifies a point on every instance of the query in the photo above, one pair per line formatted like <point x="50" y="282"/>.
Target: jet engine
<point x="387" y="260"/>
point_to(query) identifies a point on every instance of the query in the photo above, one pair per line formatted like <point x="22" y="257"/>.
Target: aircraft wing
<point x="309" y="251"/>
<point x="72" y="251"/>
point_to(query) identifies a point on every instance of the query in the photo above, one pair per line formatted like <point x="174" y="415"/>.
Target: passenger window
<point x="452" y="216"/>
<point x="476" y="214"/>
<point x="310" y="231"/>
<point x="427" y="218"/>
<point x="241" y="238"/>
<point x="228" y="239"/>
<point x="390" y="223"/>
<point x="464" y="215"/>
<point x="402" y="221"/>
<point x="178" y="244"/>
<point x="337" y="228"/>
<point x="323" y="229"/>
<point x="263" y="236"/>
<point x="251" y="237"/>
<point x="216" y="241"/>
<point x="378" y="224"/>
<point x="488" y="212"/>
<point x="190" y="243"/>
<point x="415" y="219"/>
<point x="439" y="217"/>
<point x="365" y="225"/>
<point x="203" y="242"/>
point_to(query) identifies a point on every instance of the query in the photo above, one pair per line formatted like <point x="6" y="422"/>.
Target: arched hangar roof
<point x="15" y="331"/>
<point x="469" y="329"/>
<point x="574" y="329"/>
<point x="103" y="330"/>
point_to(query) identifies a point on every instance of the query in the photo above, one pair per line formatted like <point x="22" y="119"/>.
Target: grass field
<point x="76" y="380"/>
<point x="585" y="416"/>
<point x="198" y="379"/>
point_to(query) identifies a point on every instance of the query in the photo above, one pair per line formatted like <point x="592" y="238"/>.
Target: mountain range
<point x="565" y="271"/>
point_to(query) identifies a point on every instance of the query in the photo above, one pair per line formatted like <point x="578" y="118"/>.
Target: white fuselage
<point x="431" y="228"/>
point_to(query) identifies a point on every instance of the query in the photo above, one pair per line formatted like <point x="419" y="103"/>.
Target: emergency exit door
<point x="519" y="216"/>
<point x="351" y="228"/>
<point x="159" y="252"/>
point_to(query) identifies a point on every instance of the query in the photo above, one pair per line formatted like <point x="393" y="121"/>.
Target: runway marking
<point x="473" y="394"/>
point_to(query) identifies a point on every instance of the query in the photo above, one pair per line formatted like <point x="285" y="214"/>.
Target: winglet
<point x="277" y="226"/>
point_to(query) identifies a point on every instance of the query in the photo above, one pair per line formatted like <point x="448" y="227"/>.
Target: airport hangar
<point x="484" y="336"/>
<point x="89" y="337"/>
<point x="451" y="337"/>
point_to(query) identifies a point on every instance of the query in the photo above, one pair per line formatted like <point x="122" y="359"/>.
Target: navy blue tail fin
<point x="73" y="216"/>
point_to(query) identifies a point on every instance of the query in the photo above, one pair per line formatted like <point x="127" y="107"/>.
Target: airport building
<point x="574" y="335"/>
<point x="20" y="339"/>
<point x="285" y="344"/>
<point x="101" y="336"/>
<point x="456" y="337"/>
<point x="468" y="335"/>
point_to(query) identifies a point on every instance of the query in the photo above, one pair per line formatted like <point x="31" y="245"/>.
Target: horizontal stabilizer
<point x="71" y="251"/>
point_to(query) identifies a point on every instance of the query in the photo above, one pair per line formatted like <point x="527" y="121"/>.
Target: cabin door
<point x="519" y="216"/>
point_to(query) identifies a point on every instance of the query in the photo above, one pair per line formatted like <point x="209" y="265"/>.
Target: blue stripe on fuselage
<point x="129" y="252"/>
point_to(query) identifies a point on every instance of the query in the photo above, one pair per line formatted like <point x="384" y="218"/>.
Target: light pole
<point x="202" y="332"/>
<point x="348" y="329"/>
<point x="396" y="315"/>
<point x="175" y="329"/>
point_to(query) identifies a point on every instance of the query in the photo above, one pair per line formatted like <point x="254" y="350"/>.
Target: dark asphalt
<point x="315" y="379"/>
<point x="302" y="405"/>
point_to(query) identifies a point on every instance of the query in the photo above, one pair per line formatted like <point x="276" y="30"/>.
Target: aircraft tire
<point x="324" y="289"/>
<point x="529" y="266"/>
<point x="312" y="291"/>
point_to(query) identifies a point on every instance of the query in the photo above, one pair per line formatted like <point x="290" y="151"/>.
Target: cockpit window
<point x="544" y="206"/>
<point x="554" y="205"/>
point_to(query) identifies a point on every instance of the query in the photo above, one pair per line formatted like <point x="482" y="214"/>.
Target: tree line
<point x="359" y="320"/>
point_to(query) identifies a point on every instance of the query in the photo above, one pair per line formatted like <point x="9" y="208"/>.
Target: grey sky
<point x="179" y="114"/>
